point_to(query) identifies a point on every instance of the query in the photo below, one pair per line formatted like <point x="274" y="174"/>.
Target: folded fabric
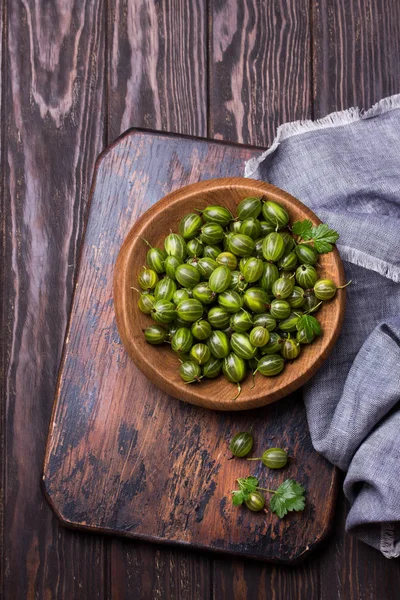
<point x="346" y="167"/>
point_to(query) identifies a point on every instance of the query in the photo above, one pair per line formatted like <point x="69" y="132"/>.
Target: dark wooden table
<point x="71" y="81"/>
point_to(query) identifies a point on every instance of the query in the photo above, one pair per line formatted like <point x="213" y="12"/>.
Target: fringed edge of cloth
<point x="334" y="119"/>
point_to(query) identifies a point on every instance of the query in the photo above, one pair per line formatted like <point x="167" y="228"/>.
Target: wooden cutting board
<point x="123" y="457"/>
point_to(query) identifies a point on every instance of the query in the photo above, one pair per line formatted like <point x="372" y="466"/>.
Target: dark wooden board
<point x="123" y="457"/>
<point x="260" y="68"/>
<point x="356" y="62"/>
<point x="157" y="66"/>
<point x="356" y="53"/>
<point x="53" y="107"/>
<point x="168" y="68"/>
<point x="355" y="59"/>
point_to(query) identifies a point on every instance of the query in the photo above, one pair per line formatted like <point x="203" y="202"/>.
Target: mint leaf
<point x="288" y="497"/>
<point x="303" y="229"/>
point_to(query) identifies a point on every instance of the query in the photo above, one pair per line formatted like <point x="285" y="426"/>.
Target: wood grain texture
<point x="354" y="61"/>
<point x="350" y="569"/>
<point x="2" y="301"/>
<point x="240" y="580"/>
<point x="143" y="571"/>
<point x="260" y="68"/>
<point x="125" y="458"/>
<point x="356" y="53"/>
<point x="54" y="93"/>
<point x="157" y="77"/>
<point x="157" y="66"/>
<point x="50" y="564"/>
<point x="153" y="226"/>
<point x="341" y="569"/>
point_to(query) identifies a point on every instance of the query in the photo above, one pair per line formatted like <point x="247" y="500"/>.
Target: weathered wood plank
<point x="123" y="456"/>
<point x="157" y="78"/>
<point x="260" y="77"/>
<point x="54" y="103"/>
<point x="356" y="58"/>
<point x="146" y="571"/>
<point x="356" y="53"/>
<point x="260" y="68"/>
<point x="157" y="66"/>
<point x="239" y="580"/>
<point x="351" y="570"/>
<point x="2" y="301"/>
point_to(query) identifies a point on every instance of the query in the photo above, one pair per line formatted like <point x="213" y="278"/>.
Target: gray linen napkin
<point x="346" y="167"/>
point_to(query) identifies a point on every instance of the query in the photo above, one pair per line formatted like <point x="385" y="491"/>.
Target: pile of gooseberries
<point x="229" y="292"/>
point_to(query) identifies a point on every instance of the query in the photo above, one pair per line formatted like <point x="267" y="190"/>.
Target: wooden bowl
<point x="160" y="363"/>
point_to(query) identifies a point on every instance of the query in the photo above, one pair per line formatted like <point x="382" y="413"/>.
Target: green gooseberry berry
<point x="241" y="444"/>
<point x="155" y="334"/>
<point x="190" y="371"/>
<point x="200" y="353"/>
<point x="147" y="278"/>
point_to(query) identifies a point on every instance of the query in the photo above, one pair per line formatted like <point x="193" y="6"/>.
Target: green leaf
<point x="321" y="235"/>
<point x="324" y="233"/>
<point x="297" y="504"/>
<point x="237" y="497"/>
<point x="322" y="247"/>
<point x="303" y="229"/>
<point x="248" y="484"/>
<point x="278" y="506"/>
<point x="303" y="323"/>
<point x="288" y="497"/>
<point x="290" y="488"/>
<point x="310" y="325"/>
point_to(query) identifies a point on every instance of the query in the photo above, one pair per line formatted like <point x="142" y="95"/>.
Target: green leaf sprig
<point x="290" y="495"/>
<point x="321" y="236"/>
<point x="246" y="485"/>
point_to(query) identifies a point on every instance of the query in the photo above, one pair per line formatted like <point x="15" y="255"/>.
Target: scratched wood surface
<point x="353" y="58"/>
<point x="52" y="130"/>
<point x="124" y="457"/>
<point x="356" y="50"/>
<point x="158" y="66"/>
<point x="260" y="68"/>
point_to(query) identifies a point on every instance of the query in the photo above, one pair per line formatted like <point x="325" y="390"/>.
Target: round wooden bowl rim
<point x="201" y="394"/>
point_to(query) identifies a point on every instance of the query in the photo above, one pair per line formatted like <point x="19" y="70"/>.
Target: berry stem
<point x="239" y="391"/>
<point x="146" y="242"/>
<point x="265" y="489"/>
<point x="253" y="381"/>
<point x="313" y="309"/>
<point x="341" y="287"/>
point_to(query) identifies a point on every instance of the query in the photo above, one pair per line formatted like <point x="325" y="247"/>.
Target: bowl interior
<point x="159" y="363"/>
